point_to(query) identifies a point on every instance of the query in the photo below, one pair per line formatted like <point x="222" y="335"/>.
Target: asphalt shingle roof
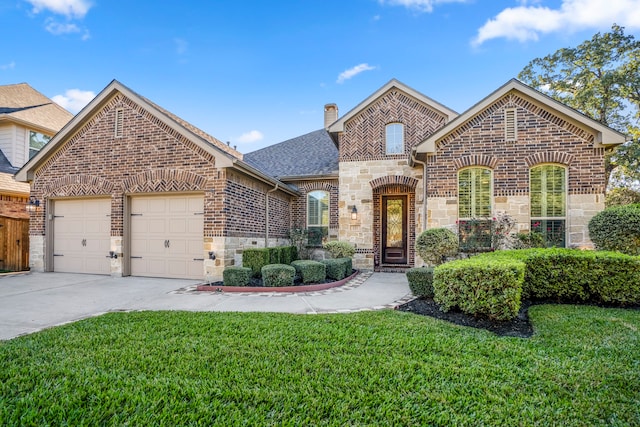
<point x="5" y="166"/>
<point x="306" y="155"/>
<point x="24" y="103"/>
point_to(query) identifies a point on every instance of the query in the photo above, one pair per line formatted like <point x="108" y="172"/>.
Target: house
<point x="127" y="188"/>
<point x="28" y="120"/>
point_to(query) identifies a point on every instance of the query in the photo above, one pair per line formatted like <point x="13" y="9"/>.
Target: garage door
<point x="81" y="236"/>
<point x="167" y="236"/>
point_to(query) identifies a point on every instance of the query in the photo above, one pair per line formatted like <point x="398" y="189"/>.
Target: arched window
<point x="394" y="139"/>
<point x="548" y="200"/>
<point x="318" y="216"/>
<point x="474" y="207"/>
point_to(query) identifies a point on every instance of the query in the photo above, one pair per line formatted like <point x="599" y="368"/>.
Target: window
<point x="318" y="216"/>
<point x="37" y="140"/>
<point x="474" y="208"/>
<point x="548" y="194"/>
<point x="395" y="138"/>
<point x="510" y="125"/>
<point x="119" y="122"/>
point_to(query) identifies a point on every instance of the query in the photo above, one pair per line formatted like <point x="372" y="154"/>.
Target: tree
<point x="600" y="78"/>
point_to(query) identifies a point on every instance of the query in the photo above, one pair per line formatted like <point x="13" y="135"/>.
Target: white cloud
<point x="419" y="5"/>
<point x="352" y="72"/>
<point x="523" y="23"/>
<point x="74" y="100"/>
<point x="68" y="8"/>
<point x="10" y="66"/>
<point x="251" y="136"/>
<point x="57" y="28"/>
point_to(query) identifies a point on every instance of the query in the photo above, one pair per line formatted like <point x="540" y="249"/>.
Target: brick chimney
<point x="330" y="114"/>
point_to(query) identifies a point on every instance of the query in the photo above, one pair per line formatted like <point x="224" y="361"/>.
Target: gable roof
<point x="23" y="104"/>
<point x="310" y="155"/>
<point x="338" y="126"/>
<point x="604" y="135"/>
<point x="8" y="185"/>
<point x="225" y="155"/>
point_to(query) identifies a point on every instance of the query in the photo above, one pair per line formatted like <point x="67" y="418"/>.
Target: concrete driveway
<point x="34" y="301"/>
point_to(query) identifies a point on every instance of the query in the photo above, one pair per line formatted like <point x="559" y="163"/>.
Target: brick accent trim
<point x="549" y="157"/>
<point x="401" y="180"/>
<point x="164" y="180"/>
<point x="476" y="160"/>
<point x="78" y="185"/>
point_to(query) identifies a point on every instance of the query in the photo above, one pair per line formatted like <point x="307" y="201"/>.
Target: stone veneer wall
<point x="356" y="189"/>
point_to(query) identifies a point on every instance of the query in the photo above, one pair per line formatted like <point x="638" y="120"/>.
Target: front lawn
<point x="582" y="367"/>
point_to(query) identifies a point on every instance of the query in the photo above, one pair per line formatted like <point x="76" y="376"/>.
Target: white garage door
<point x="167" y="236"/>
<point x="81" y="236"/>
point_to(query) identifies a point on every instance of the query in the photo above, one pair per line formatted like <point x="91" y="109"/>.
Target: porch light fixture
<point x="33" y="204"/>
<point x="354" y="213"/>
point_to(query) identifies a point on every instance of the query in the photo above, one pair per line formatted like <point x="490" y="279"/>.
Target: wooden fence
<point x="14" y="244"/>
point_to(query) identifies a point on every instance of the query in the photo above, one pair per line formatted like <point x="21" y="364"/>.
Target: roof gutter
<point x="266" y="214"/>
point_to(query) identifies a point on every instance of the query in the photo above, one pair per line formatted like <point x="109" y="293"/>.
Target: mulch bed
<point x="519" y="327"/>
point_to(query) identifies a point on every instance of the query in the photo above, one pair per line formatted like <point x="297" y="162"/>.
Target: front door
<point x="394" y="229"/>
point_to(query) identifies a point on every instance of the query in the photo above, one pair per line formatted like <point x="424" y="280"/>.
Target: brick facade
<point x="151" y="157"/>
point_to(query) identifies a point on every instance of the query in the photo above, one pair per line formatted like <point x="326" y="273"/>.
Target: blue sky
<point x="257" y="72"/>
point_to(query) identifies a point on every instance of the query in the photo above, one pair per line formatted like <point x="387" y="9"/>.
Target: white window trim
<point x="386" y="142"/>
<point x="491" y="195"/>
<point x="328" y="209"/>
<point x="564" y="218"/>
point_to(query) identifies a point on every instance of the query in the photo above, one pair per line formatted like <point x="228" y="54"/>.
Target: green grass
<point x="582" y="367"/>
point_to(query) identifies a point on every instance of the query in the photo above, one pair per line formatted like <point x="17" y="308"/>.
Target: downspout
<point x="266" y="214"/>
<point x="424" y="189"/>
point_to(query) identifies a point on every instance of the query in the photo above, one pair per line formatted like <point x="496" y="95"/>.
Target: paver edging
<point x="301" y="288"/>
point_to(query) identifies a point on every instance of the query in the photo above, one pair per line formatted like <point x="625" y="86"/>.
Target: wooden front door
<point x="394" y="229"/>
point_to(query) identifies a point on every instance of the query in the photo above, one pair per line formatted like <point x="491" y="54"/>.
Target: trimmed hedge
<point x="256" y="258"/>
<point x="571" y="275"/>
<point x="348" y="265"/>
<point x="421" y="281"/>
<point x="617" y="229"/>
<point x="236" y="276"/>
<point x="336" y="268"/>
<point x="492" y="288"/>
<point x="278" y="275"/>
<point x="310" y="271"/>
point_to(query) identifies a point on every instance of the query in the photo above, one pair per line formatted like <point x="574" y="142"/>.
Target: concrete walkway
<point x="35" y="301"/>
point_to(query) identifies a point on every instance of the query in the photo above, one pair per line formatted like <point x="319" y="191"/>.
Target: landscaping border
<point x="301" y="288"/>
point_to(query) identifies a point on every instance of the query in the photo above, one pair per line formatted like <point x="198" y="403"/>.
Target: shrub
<point x="621" y="196"/>
<point x="288" y="254"/>
<point x="571" y="275"/>
<point x="617" y="229"/>
<point x="435" y="244"/>
<point x="340" y="249"/>
<point x="421" y="281"/>
<point x="310" y="271"/>
<point x="491" y="288"/>
<point x="275" y="255"/>
<point x="278" y="275"/>
<point x="336" y="268"/>
<point x="255" y="259"/>
<point x="348" y="265"/>
<point x="236" y="276"/>
<point x="528" y="240"/>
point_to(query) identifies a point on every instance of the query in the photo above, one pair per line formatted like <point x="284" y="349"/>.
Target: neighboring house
<point x="28" y="120"/>
<point x="127" y="188"/>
